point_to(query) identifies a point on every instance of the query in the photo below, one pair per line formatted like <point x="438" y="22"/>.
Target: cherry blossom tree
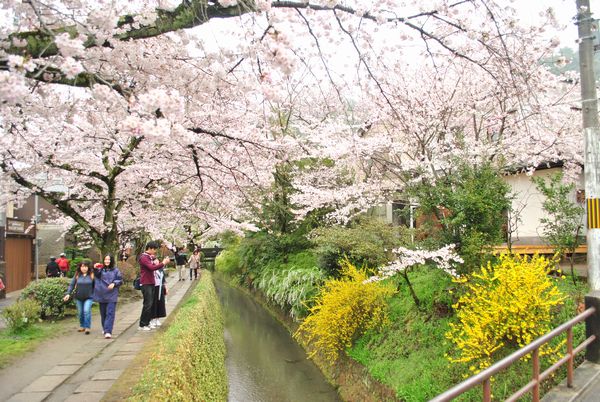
<point x="156" y="113"/>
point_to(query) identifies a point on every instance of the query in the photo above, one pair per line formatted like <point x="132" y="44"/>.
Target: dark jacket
<point x="180" y="258"/>
<point x="83" y="285"/>
<point x="147" y="268"/>
<point x="52" y="270"/>
<point x="104" y="277"/>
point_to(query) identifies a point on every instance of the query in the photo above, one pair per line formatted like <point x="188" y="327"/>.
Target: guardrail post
<point x="592" y="326"/>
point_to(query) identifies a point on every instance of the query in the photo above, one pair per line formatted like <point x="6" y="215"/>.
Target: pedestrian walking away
<point x="159" y="307"/>
<point x="181" y="261"/>
<point x="194" y="263"/>
<point x="81" y="289"/>
<point x="63" y="264"/>
<point x="106" y="292"/>
<point x="52" y="269"/>
<point x="148" y="264"/>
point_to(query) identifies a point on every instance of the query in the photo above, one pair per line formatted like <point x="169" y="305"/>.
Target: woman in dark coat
<point x="82" y="289"/>
<point x="106" y="292"/>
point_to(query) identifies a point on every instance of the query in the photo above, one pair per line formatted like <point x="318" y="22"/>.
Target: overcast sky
<point x="565" y="11"/>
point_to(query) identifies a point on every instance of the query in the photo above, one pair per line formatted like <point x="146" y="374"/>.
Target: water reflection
<point x="263" y="363"/>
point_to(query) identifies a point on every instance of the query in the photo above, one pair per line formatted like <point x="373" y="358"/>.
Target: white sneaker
<point x="152" y="326"/>
<point x="146" y="328"/>
<point x="157" y="323"/>
<point x="107" y="335"/>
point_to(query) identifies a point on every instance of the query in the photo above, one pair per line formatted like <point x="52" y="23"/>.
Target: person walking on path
<point x="63" y="264"/>
<point x="106" y="292"/>
<point x="147" y="267"/>
<point x="52" y="269"/>
<point x="82" y="289"/>
<point x="180" y="260"/>
<point x="159" y="308"/>
<point x="194" y="263"/>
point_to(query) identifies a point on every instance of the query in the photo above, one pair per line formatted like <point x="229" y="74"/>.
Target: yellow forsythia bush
<point x="343" y="309"/>
<point x="507" y="304"/>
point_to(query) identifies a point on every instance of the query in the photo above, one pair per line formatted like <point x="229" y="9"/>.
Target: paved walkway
<point x="586" y="386"/>
<point x="89" y="371"/>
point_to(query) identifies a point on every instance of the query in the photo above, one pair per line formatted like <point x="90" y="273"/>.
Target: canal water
<point x="264" y="363"/>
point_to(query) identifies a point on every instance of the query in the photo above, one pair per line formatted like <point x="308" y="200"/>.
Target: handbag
<point x="2" y="287"/>
<point x="137" y="283"/>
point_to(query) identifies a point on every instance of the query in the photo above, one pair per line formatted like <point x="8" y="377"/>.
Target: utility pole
<point x="37" y="240"/>
<point x="2" y="246"/>
<point x="591" y="133"/>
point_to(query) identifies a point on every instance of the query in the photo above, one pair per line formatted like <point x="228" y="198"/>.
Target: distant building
<point x="523" y="224"/>
<point x="18" y="236"/>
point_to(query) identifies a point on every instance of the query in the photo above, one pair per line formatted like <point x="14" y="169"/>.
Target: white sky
<point x="565" y="12"/>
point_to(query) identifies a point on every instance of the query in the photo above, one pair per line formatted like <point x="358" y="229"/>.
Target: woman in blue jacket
<point x="106" y="292"/>
<point x="82" y="288"/>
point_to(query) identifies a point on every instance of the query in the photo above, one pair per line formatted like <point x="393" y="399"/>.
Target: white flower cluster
<point x="12" y="87"/>
<point x="263" y="5"/>
<point x="69" y="47"/>
<point x="16" y="63"/>
<point x="228" y="3"/>
<point x="71" y="67"/>
<point x="168" y="4"/>
<point x="407" y="258"/>
<point x="170" y="102"/>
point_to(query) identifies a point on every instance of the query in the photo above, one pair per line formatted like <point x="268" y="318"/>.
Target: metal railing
<point x="484" y="377"/>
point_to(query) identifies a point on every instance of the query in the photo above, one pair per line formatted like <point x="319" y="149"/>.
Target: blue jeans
<point x="84" y="312"/>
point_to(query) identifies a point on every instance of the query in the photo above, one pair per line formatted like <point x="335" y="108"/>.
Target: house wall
<point x="527" y="204"/>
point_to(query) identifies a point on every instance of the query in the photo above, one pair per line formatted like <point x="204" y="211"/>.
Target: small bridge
<point x="582" y="384"/>
<point x="208" y="255"/>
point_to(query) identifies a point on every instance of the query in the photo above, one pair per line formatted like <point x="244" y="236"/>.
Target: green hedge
<point x="188" y="361"/>
<point x="49" y="293"/>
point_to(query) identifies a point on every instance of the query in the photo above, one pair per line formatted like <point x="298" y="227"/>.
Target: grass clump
<point x="16" y="344"/>
<point x="291" y="285"/>
<point x="22" y="314"/>
<point x="188" y="361"/>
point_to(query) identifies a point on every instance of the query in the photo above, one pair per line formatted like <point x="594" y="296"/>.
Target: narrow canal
<point x="264" y="364"/>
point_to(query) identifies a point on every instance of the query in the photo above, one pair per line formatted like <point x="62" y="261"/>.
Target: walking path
<point x="91" y="368"/>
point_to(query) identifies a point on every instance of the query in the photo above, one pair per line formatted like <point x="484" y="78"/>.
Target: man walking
<point x="52" y="269"/>
<point x="181" y="261"/>
<point x="63" y="264"/>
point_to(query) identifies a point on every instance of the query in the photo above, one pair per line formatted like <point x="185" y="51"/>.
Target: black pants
<point x="148" y="294"/>
<point x="195" y="273"/>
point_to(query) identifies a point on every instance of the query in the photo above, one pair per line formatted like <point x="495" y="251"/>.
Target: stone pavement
<point x="88" y="372"/>
<point x="586" y="386"/>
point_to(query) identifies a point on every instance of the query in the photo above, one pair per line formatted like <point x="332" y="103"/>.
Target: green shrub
<point x="465" y="207"/>
<point x="49" y="294"/>
<point x="22" y="314"/>
<point x="228" y="261"/>
<point x="292" y="285"/>
<point x="188" y="361"/>
<point x="368" y="242"/>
